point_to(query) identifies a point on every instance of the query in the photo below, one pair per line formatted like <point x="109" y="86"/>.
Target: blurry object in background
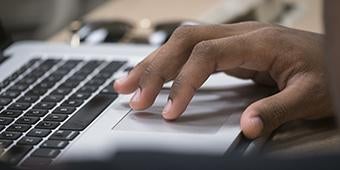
<point x="302" y="14"/>
<point x="74" y="28"/>
<point x="103" y="31"/>
<point x="144" y="32"/>
<point x="271" y="11"/>
<point x="163" y="31"/>
<point x="39" y="19"/>
<point x="5" y="39"/>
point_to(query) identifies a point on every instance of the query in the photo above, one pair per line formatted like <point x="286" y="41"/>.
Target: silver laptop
<point x="57" y="104"/>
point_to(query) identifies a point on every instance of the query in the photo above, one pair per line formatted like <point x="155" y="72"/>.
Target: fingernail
<point x="135" y="98"/>
<point x="122" y="80"/>
<point x="166" y="109"/>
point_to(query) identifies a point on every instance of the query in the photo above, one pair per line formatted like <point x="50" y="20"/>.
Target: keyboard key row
<point x="50" y="148"/>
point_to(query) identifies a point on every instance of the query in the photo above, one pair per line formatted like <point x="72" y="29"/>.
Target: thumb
<point x="267" y="114"/>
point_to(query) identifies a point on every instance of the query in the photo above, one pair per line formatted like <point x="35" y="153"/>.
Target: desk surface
<point x="298" y="137"/>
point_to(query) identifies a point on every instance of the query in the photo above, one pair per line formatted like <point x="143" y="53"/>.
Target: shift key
<point x="88" y="113"/>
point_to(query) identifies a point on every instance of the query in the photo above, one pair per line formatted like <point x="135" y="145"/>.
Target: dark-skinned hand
<point x="269" y="54"/>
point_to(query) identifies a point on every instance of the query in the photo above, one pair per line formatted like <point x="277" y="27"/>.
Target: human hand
<point x="273" y="55"/>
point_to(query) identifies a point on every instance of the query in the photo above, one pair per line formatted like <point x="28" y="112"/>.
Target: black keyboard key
<point x="19" y="106"/>
<point x="53" y="78"/>
<point x="48" y="64"/>
<point x="94" y="63"/>
<point x="54" y="144"/>
<point x="72" y="103"/>
<point x="103" y="75"/>
<point x="88" y="89"/>
<point x="81" y="96"/>
<point x="44" y="105"/>
<point x="81" y="119"/>
<point x="10" y="94"/>
<point x="36" y="113"/>
<point x="45" y="85"/>
<point x="46" y="153"/>
<point x="36" y="162"/>
<point x="12" y="77"/>
<point x="28" y="80"/>
<point x="64" y="135"/>
<point x="14" y="155"/>
<point x="87" y="69"/>
<point x="3" y="84"/>
<point x="113" y="67"/>
<point x="10" y="135"/>
<point x="18" y="128"/>
<point x="69" y="84"/>
<point x="5" y="101"/>
<point x="10" y="113"/>
<point x="71" y="64"/>
<point x="39" y="132"/>
<point x="5" y="143"/>
<point x="29" y="141"/>
<point x="56" y="117"/>
<point x="19" y="87"/>
<point x="62" y="91"/>
<point x="43" y="68"/>
<point x="47" y="125"/>
<point x="37" y="91"/>
<point x="53" y="98"/>
<point x="38" y="72"/>
<point x="76" y="78"/>
<point x="20" y="71"/>
<point x="28" y="99"/>
<point x="27" y="120"/>
<point x="31" y="63"/>
<point x="61" y="71"/>
<point x="64" y="110"/>
<point x="96" y="82"/>
<point x="5" y="120"/>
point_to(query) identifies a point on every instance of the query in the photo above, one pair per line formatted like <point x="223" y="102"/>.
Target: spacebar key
<point x="81" y="119"/>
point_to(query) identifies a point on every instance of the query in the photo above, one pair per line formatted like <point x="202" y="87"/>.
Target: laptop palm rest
<point x="206" y="113"/>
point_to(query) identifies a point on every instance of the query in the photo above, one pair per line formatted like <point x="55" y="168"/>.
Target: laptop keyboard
<point x="47" y="103"/>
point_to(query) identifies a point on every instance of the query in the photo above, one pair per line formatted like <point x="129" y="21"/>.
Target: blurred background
<point x="58" y="20"/>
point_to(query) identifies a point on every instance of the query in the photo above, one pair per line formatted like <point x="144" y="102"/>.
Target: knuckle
<point x="204" y="49"/>
<point x="180" y="83"/>
<point x="141" y="65"/>
<point x="183" y="32"/>
<point x="151" y="72"/>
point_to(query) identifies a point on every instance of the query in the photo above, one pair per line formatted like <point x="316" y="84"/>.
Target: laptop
<point x="57" y="104"/>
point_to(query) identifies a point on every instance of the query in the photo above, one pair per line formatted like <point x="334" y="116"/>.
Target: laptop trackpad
<point x="207" y="112"/>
